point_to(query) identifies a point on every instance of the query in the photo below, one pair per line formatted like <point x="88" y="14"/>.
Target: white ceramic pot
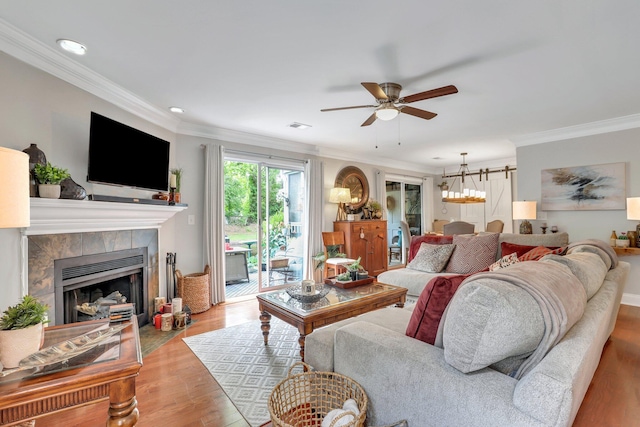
<point x="49" y="191"/>
<point x="622" y="243"/>
<point x="16" y="344"/>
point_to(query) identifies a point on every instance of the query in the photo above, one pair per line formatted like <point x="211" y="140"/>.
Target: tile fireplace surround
<point x="70" y="228"/>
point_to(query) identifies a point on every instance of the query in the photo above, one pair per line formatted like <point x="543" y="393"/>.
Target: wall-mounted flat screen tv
<point x="124" y="156"/>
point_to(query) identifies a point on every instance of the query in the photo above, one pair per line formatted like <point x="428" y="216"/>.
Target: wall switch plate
<point x="191" y="219"/>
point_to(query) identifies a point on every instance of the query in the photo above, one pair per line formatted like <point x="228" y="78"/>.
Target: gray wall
<point x="612" y="147"/>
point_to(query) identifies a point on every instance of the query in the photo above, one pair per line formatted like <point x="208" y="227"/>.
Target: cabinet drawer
<point x="366" y="227"/>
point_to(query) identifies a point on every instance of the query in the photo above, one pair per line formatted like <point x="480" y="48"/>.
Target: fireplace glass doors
<point x="86" y="286"/>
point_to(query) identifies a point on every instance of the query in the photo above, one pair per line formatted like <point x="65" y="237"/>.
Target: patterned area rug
<point x="245" y="368"/>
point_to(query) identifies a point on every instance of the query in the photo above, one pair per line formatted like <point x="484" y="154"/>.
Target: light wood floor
<point x="174" y="388"/>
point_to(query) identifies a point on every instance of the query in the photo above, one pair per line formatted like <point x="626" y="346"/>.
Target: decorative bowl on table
<point x="295" y="292"/>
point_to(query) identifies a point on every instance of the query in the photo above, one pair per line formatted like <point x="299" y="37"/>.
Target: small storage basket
<point x="194" y="290"/>
<point x="304" y="399"/>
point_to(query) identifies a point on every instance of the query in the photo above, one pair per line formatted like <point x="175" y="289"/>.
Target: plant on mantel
<point x="49" y="178"/>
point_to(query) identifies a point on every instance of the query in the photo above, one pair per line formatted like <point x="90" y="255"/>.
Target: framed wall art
<point x="594" y="187"/>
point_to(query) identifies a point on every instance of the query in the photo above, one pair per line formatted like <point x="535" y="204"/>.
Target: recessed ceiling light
<point x="176" y="110"/>
<point x="297" y="125"/>
<point x="73" y="47"/>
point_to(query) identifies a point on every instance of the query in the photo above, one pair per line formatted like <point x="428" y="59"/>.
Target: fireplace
<point x="85" y="286"/>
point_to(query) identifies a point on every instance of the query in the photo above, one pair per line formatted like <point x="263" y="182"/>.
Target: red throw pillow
<point x="432" y="239"/>
<point x="509" y="248"/>
<point x="431" y="304"/>
<point x="538" y="252"/>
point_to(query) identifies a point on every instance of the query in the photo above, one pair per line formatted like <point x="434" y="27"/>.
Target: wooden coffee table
<point x="339" y="304"/>
<point x="107" y="372"/>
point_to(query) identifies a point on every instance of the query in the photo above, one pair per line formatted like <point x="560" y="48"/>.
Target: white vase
<point x="16" y="344"/>
<point x="49" y="191"/>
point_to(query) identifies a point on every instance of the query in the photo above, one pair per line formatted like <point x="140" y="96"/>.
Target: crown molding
<point x="246" y="138"/>
<point x="577" y="131"/>
<point x="37" y="54"/>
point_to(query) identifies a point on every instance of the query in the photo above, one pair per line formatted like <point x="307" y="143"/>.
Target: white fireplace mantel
<point x="54" y="216"/>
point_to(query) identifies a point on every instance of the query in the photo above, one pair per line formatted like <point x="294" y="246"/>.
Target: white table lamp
<point x="524" y="210"/>
<point x="340" y="196"/>
<point x="14" y="188"/>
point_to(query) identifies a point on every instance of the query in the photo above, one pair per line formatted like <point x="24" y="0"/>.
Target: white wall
<point x="39" y="108"/>
<point x="612" y="147"/>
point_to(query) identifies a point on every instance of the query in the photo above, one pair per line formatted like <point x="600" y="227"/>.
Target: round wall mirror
<point x="355" y="180"/>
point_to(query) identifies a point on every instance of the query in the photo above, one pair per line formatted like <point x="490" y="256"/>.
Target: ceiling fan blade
<point x="375" y="90"/>
<point x="371" y="119"/>
<point x="347" y="108"/>
<point x="428" y="115"/>
<point x="433" y="93"/>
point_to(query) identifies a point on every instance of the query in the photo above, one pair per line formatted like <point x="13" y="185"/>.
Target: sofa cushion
<point x="431" y="258"/>
<point x="432" y="239"/>
<point x="472" y="253"/>
<point x="507" y="248"/>
<point x="431" y="304"/>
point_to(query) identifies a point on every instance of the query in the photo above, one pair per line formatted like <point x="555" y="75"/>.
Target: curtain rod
<point x="266" y="156"/>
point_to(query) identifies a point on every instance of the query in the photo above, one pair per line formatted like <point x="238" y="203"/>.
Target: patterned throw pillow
<point x="431" y="258"/>
<point x="505" y="261"/>
<point x="473" y="253"/>
<point x="433" y="239"/>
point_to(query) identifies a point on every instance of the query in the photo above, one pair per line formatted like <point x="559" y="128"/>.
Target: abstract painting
<point x="594" y="187"/>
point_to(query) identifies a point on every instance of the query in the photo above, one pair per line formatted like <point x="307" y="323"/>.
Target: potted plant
<point x="21" y="330"/>
<point x="622" y="241"/>
<point x="49" y="178"/>
<point x="354" y="268"/>
<point x="178" y="173"/>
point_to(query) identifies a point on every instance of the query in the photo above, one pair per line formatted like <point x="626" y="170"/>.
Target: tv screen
<point x="122" y="155"/>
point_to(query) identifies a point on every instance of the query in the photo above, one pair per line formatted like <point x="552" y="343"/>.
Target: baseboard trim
<point x="631" y="299"/>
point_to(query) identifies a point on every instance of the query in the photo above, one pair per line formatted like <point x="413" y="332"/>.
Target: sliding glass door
<point x="404" y="202"/>
<point x="264" y="210"/>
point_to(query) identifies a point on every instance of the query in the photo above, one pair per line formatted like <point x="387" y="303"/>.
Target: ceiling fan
<point x="389" y="103"/>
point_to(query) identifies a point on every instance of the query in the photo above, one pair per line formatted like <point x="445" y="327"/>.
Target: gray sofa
<point x="415" y="280"/>
<point x="405" y="378"/>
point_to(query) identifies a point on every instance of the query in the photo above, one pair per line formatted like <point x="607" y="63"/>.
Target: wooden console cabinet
<point x="367" y="240"/>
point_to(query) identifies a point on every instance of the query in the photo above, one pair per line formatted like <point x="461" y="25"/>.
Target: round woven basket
<point x="194" y="290"/>
<point x="304" y="399"/>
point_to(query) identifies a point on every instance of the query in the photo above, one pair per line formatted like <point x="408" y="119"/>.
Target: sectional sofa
<point x="515" y="347"/>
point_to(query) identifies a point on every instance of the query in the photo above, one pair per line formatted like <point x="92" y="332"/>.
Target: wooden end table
<point x="108" y="371"/>
<point x="339" y="304"/>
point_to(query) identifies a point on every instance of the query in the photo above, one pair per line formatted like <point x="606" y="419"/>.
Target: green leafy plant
<point x="332" y="252"/>
<point x="48" y="174"/>
<point x="178" y="173"/>
<point x="355" y="266"/>
<point x="27" y="313"/>
<point x="623" y="236"/>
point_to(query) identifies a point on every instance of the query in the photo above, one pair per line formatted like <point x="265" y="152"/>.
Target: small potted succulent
<point x="354" y="268"/>
<point x="21" y="330"/>
<point x="622" y="241"/>
<point x="49" y="178"/>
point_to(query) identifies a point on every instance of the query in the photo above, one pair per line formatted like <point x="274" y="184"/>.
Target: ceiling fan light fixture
<point x="388" y="112"/>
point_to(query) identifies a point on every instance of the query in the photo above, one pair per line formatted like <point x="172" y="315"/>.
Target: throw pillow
<point x="509" y="248"/>
<point x="432" y="239"/>
<point x="505" y="261"/>
<point x="431" y="258"/>
<point x="538" y="252"/>
<point x="432" y="302"/>
<point x="473" y="253"/>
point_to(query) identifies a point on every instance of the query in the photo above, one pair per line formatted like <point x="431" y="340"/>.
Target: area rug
<point x="245" y="368"/>
<point x="152" y="338"/>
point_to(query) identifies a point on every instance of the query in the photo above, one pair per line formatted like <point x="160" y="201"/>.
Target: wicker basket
<point x="304" y="399"/>
<point x="194" y="290"/>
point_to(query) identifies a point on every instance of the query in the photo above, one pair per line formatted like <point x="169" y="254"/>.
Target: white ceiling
<point x="255" y="66"/>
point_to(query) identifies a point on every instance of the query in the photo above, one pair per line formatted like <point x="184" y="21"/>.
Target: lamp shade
<point x="14" y="188"/>
<point x="633" y="208"/>
<point x="340" y="195"/>
<point x="524" y="210"/>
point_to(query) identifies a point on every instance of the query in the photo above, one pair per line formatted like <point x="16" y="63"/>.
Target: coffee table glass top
<point x="336" y="296"/>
